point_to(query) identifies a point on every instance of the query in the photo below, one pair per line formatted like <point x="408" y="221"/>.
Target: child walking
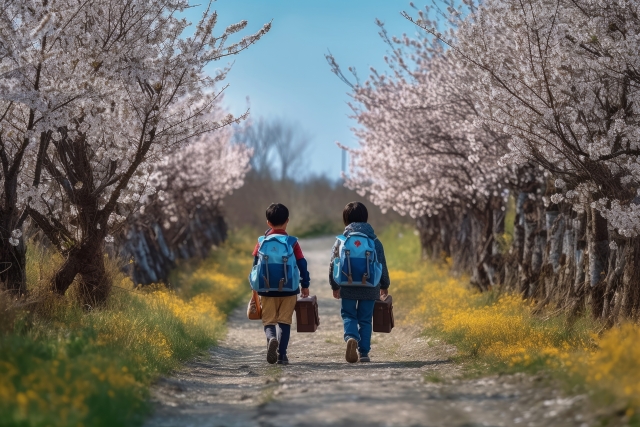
<point x="358" y="274"/>
<point x="279" y="271"/>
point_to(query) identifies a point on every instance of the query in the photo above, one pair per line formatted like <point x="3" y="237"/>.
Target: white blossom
<point x="94" y="95"/>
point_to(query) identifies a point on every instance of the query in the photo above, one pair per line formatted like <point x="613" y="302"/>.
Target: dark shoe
<point x="272" y="351"/>
<point x="363" y="358"/>
<point x="351" y="354"/>
<point x="283" y="360"/>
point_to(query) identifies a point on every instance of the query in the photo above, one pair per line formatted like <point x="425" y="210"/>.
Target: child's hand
<point x="304" y="292"/>
<point x="336" y="293"/>
<point x="384" y="292"/>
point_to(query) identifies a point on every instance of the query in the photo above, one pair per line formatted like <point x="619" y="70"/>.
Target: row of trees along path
<point x="530" y="105"/>
<point x="105" y="109"/>
<point x="234" y="386"/>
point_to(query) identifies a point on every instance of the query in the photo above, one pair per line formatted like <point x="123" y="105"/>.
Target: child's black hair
<point x="277" y="214"/>
<point x="355" y="212"/>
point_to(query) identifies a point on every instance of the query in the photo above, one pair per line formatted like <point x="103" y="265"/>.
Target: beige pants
<point x="278" y="309"/>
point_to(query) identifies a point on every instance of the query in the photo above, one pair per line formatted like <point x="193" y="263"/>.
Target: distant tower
<point x="344" y="162"/>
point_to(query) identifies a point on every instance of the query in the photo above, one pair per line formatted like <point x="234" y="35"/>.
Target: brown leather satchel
<point x="383" y="315"/>
<point x="254" y="309"/>
<point x="307" y="317"/>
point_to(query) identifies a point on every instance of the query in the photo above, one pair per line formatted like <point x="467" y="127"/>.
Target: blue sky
<point x="285" y="75"/>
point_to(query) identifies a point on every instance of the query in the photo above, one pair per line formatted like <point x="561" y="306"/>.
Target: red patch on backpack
<point x="357" y="243"/>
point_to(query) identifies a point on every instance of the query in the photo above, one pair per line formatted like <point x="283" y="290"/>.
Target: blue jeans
<point x="357" y="316"/>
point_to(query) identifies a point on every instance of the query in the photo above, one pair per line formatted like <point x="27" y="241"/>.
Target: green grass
<point x="316" y="229"/>
<point x="433" y="377"/>
<point x="62" y="366"/>
<point x="401" y="247"/>
<point x="499" y="332"/>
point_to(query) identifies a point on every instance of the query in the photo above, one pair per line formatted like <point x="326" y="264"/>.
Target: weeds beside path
<point x="63" y="366"/>
<point x="498" y="333"/>
<point x="412" y="380"/>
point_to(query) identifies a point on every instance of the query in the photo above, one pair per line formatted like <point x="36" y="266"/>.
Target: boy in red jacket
<point x="278" y="306"/>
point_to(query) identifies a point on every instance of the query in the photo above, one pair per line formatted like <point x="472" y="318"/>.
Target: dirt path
<point x="410" y="382"/>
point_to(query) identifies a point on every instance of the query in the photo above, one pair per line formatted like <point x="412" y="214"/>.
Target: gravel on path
<point x="411" y="380"/>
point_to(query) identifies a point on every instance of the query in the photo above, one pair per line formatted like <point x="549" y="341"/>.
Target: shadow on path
<point x="234" y="386"/>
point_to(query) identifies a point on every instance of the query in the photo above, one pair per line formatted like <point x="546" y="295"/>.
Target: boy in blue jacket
<point x="358" y="301"/>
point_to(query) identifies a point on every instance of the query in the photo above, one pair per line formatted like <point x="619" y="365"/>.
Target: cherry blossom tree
<point x="560" y="79"/>
<point x="533" y="98"/>
<point x="184" y="218"/>
<point x="95" y="93"/>
<point x="422" y="154"/>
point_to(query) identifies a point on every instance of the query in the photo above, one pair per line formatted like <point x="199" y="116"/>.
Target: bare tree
<point x="279" y="148"/>
<point x="291" y="146"/>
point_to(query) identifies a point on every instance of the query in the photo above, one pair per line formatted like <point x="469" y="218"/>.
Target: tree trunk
<point x="555" y="226"/>
<point x="481" y="240"/>
<point x="617" y="261"/>
<point x="530" y="221"/>
<point x="95" y="284"/>
<point x="580" y="244"/>
<point x="537" y="288"/>
<point x="628" y="298"/>
<point x="554" y="222"/>
<point x="426" y="233"/>
<point x="518" y="230"/>
<point x="567" y="261"/>
<point x="577" y="292"/>
<point x="462" y="249"/>
<point x="496" y="263"/>
<point x="598" y="240"/>
<point x="485" y="258"/>
<point x="513" y="269"/>
<point x="13" y="260"/>
<point x="86" y="262"/>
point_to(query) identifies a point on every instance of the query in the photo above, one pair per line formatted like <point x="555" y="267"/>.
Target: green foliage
<point x="62" y="366"/>
<point x="510" y="217"/>
<point x="433" y="377"/>
<point x="498" y="332"/>
<point x="196" y="277"/>
<point x="401" y="246"/>
<point x="315" y="229"/>
<point x="315" y="205"/>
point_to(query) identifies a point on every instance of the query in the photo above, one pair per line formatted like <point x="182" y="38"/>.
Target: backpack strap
<point x="358" y="233"/>
<point x="342" y="238"/>
<point x="292" y="241"/>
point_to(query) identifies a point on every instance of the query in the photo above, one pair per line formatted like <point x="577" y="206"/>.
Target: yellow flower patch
<point x="501" y="327"/>
<point x="74" y="368"/>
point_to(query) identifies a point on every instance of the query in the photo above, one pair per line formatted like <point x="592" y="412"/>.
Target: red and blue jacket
<point x="301" y="262"/>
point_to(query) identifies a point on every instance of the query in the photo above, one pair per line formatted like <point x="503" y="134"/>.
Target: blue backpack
<point x="357" y="263"/>
<point x="276" y="269"/>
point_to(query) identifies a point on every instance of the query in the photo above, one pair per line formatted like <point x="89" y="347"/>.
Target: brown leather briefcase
<point x="307" y="316"/>
<point x="383" y="315"/>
